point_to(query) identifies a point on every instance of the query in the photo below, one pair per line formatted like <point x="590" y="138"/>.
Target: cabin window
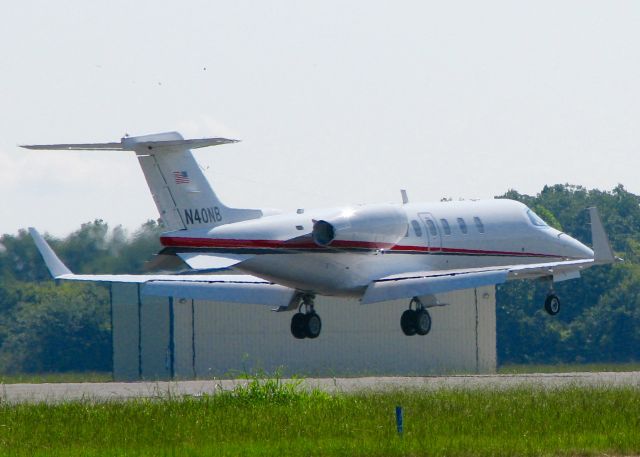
<point x="463" y="225"/>
<point x="416" y="228"/>
<point x="479" y="224"/>
<point x="445" y="226"/>
<point x="432" y="227"/>
<point x="535" y="219"/>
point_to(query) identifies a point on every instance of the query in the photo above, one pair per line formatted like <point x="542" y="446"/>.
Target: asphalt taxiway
<point x="117" y="391"/>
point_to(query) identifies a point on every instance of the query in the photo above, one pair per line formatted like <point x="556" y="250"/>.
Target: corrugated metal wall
<point x="125" y="331"/>
<point x="187" y="339"/>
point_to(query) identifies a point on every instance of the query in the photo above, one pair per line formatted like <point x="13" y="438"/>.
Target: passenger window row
<point x="446" y="228"/>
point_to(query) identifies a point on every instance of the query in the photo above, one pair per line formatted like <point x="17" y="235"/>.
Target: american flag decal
<point x="181" y="177"/>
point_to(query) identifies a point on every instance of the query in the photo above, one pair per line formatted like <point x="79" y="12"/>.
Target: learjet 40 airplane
<point x="374" y="253"/>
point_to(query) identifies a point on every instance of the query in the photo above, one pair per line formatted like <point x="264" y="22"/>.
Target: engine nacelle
<point x="371" y="226"/>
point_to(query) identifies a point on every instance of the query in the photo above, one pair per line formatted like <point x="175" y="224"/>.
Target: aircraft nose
<point x="574" y="248"/>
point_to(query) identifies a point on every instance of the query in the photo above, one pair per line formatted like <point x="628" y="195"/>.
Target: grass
<point x="568" y="368"/>
<point x="273" y="417"/>
<point x="27" y="378"/>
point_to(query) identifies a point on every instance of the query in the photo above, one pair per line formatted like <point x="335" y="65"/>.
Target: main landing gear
<point x="307" y="324"/>
<point x="415" y="321"/>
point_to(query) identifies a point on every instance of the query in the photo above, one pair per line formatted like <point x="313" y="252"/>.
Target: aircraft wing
<point x="212" y="262"/>
<point x="423" y="283"/>
<point x="228" y="288"/>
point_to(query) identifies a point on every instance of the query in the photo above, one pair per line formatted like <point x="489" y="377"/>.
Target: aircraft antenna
<point x="405" y="198"/>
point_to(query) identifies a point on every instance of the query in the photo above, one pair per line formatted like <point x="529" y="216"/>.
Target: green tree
<point x="44" y="327"/>
<point x="597" y="321"/>
<point x="57" y="328"/>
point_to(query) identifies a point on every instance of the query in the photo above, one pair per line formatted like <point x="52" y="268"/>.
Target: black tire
<point x="408" y="322"/>
<point x="298" y="323"/>
<point x="313" y="325"/>
<point x="552" y="304"/>
<point x="422" y="322"/>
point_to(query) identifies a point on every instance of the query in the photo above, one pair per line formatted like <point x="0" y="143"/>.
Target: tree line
<point x="46" y="327"/>
<point x="600" y="316"/>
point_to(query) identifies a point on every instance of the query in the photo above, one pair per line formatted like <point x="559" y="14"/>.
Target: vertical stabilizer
<point x="180" y="190"/>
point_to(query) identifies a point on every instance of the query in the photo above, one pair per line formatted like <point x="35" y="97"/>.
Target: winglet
<point x="601" y="247"/>
<point x="54" y="264"/>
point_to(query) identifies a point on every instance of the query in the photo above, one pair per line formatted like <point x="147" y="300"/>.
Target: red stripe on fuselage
<point x="232" y="243"/>
<point x="227" y="243"/>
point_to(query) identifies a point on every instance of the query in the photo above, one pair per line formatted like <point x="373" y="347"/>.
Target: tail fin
<point x="180" y="190"/>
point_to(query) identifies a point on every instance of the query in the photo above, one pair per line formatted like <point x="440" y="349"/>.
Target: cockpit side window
<point x="479" y="224"/>
<point x="416" y="228"/>
<point x="535" y="219"/>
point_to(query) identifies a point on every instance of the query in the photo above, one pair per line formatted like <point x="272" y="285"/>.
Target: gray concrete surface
<point x="114" y="391"/>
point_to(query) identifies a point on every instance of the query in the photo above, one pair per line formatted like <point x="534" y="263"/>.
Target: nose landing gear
<point x="552" y="304"/>
<point x="307" y="324"/>
<point x="415" y="321"/>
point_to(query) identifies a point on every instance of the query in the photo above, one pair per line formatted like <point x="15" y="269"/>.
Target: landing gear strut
<point x="307" y="324"/>
<point x="415" y="321"/>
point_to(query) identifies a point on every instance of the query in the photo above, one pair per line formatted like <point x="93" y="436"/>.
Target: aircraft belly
<point x="348" y="274"/>
<point x="454" y="262"/>
<point x="327" y="274"/>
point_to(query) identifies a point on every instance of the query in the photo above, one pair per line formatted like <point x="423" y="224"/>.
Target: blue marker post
<point x="399" y="424"/>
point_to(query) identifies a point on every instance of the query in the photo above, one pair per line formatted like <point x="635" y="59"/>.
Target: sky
<point x="335" y="102"/>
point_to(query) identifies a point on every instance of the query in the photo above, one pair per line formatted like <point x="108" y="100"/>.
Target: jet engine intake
<point x="369" y="227"/>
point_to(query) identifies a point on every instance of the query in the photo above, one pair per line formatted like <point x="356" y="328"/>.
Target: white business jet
<point x="373" y="252"/>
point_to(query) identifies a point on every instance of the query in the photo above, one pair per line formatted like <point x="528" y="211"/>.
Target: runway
<point x="118" y="391"/>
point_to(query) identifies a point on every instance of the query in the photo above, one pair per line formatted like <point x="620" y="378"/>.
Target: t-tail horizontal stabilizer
<point x="134" y="143"/>
<point x="180" y="190"/>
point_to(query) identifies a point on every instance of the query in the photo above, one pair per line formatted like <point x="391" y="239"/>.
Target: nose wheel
<point x="552" y="304"/>
<point x="306" y="324"/>
<point x="415" y="321"/>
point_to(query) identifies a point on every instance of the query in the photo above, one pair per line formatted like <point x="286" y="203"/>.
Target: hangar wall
<point x="159" y="338"/>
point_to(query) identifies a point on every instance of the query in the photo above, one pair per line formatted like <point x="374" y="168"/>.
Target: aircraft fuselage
<point x="404" y="238"/>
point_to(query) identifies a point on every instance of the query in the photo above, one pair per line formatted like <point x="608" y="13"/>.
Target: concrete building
<point x="159" y="338"/>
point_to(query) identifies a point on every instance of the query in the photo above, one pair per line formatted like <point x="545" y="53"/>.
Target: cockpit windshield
<point x="535" y="219"/>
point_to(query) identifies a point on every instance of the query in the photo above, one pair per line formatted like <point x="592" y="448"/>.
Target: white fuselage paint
<point x="285" y="252"/>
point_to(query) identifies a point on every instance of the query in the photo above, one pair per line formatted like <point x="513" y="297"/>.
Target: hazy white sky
<point x="336" y="102"/>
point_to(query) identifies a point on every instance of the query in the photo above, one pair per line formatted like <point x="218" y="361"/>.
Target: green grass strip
<point x="283" y="420"/>
<point x="24" y="378"/>
<point x="568" y="368"/>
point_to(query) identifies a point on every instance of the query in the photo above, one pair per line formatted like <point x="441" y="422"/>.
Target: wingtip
<point x="603" y="253"/>
<point x="56" y="267"/>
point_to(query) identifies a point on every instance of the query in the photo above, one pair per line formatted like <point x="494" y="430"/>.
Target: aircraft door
<point x="434" y="235"/>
